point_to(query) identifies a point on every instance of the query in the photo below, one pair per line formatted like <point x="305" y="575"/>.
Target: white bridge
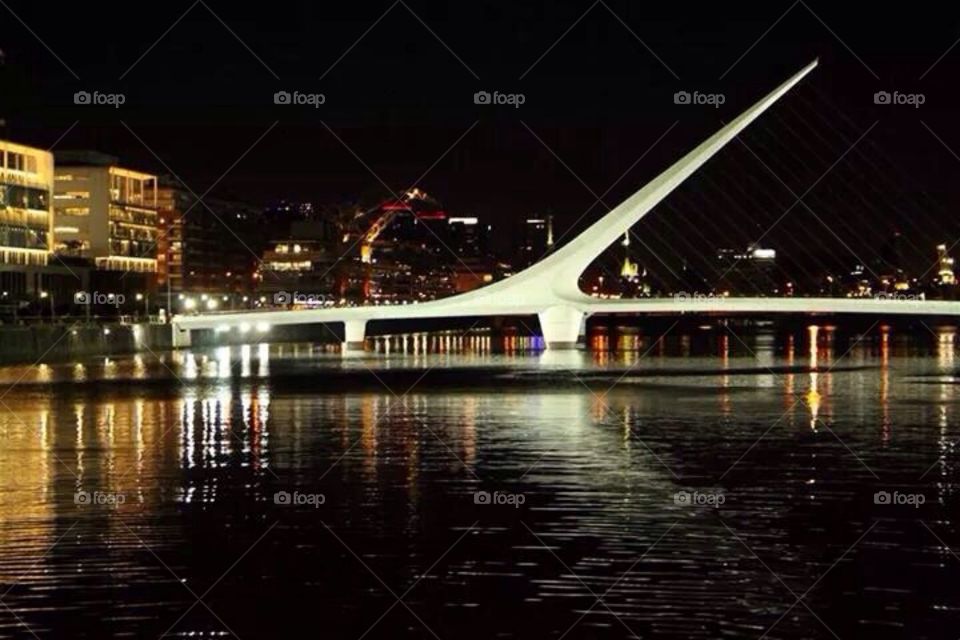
<point x="550" y="290"/>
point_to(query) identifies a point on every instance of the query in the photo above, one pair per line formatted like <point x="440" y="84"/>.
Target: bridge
<point x="549" y="289"/>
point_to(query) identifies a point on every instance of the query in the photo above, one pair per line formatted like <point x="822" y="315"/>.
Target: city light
<point x="684" y="301"/>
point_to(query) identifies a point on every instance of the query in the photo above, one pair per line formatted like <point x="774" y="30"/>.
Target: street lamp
<point x="45" y="295"/>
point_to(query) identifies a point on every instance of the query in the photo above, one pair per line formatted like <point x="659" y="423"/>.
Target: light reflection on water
<point x="598" y="448"/>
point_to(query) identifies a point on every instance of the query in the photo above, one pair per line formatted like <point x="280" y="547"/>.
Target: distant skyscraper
<point x="537" y="239"/>
<point x="752" y="271"/>
<point x="945" y="273"/>
<point x="468" y="236"/>
<point x="203" y="249"/>
<point x="891" y="264"/>
<point x="629" y="269"/>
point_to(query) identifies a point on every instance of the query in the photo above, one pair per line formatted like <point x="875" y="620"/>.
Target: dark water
<point x="702" y="486"/>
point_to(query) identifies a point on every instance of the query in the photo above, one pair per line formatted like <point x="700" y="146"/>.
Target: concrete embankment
<point x="28" y="344"/>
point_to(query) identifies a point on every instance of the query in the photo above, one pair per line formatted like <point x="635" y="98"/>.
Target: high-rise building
<point x="468" y="237"/>
<point x="750" y="272"/>
<point x="945" y="272"/>
<point x="537" y="238"/>
<point x="630" y="269"/>
<point x="105" y="212"/>
<point x="207" y="247"/>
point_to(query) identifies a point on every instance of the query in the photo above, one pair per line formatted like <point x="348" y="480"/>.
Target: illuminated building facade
<point x="105" y="212"/>
<point x="26" y="214"/>
<point x="306" y="265"/>
<point x="26" y="221"/>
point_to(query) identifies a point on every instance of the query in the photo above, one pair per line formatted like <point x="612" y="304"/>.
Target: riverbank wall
<point x="28" y="344"/>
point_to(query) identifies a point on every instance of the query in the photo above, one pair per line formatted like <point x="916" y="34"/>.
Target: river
<point x="769" y="484"/>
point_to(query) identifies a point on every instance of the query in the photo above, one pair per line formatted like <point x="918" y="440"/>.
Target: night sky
<point x="594" y="93"/>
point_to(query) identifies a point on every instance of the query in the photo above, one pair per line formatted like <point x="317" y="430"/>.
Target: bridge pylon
<point x="561" y="326"/>
<point x="354" y="335"/>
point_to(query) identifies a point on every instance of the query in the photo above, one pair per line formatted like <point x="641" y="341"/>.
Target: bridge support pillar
<point x="561" y="326"/>
<point x="180" y="338"/>
<point x="354" y="334"/>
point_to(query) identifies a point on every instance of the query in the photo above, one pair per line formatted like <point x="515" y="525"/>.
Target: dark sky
<point x="597" y="96"/>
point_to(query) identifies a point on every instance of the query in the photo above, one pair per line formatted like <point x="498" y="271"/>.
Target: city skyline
<point x="406" y="319"/>
<point x="169" y="103"/>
